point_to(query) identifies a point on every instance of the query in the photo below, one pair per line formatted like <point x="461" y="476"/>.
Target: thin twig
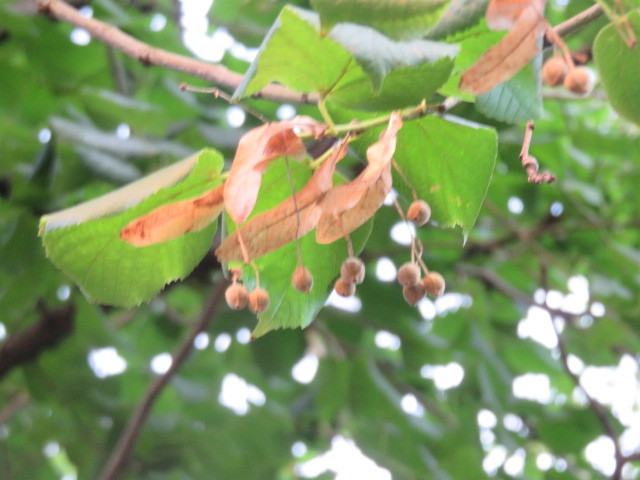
<point x="577" y="22"/>
<point x="148" y="55"/>
<point x="114" y="466"/>
<point x="529" y="162"/>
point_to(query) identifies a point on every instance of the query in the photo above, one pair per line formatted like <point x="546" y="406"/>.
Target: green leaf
<point x="294" y="54"/>
<point x="397" y="18"/>
<point x="460" y="15"/>
<point x="288" y="307"/>
<point x="619" y="68"/>
<point x="450" y="165"/>
<point x="354" y="65"/>
<point x="519" y="99"/>
<point x="114" y="272"/>
<point x="516" y="100"/>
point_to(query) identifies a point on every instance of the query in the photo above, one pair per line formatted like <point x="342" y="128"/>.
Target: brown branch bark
<point x="52" y="327"/>
<point x="120" y="454"/>
<point x="216" y="74"/>
<point x="579" y="21"/>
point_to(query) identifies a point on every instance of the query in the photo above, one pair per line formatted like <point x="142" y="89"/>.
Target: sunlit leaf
<point x="84" y="242"/>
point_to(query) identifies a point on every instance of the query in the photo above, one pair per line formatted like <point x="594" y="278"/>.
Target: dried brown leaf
<point x="504" y="14"/>
<point x="175" y="219"/>
<point x="504" y="60"/>
<point x="276" y="227"/>
<point x="255" y="150"/>
<point x="349" y="205"/>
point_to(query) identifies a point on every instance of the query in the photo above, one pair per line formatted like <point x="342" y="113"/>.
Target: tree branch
<point x="52" y="327"/>
<point x="114" y="466"/>
<point x="579" y="21"/>
<point x="216" y="74"/>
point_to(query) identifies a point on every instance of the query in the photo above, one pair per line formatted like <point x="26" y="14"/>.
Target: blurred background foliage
<point x="474" y="384"/>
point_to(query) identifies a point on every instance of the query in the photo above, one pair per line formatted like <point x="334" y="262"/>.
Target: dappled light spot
<point x="80" y="36"/>
<point x="44" y="135"/>
<point x="238" y="395"/>
<point x="427" y="309"/>
<point x="544" y="461"/>
<point x="106" y="362"/>
<point x="123" y="131"/>
<point x="161" y="363"/>
<point x="402" y="233"/>
<point x="387" y="340"/>
<point x="51" y="449"/>
<point x="486" y="419"/>
<point x="515" y="205"/>
<point x="346" y="460"/>
<point x="243" y="336"/>
<point x="3" y="331"/>
<point x="386" y="270"/>
<point x="514" y="465"/>
<point x="348" y="304"/>
<point x="533" y="386"/>
<point x="538" y="327"/>
<point x="158" y="22"/>
<point x="452" y="302"/>
<point x="597" y="309"/>
<point x="494" y="459"/>
<point x="201" y="341"/>
<point x="411" y="405"/>
<point x="444" y="376"/>
<point x="391" y="196"/>
<point x="63" y="292"/>
<point x="285" y="112"/>
<point x="513" y="422"/>
<point x="235" y="116"/>
<point x="299" y="449"/>
<point x="222" y="342"/>
<point x="556" y="209"/>
<point x="600" y="453"/>
<point x="305" y="370"/>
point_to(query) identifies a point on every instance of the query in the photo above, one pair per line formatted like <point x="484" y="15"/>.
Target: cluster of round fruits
<point x="557" y="71"/>
<point x="238" y="297"/>
<point x="352" y="273"/>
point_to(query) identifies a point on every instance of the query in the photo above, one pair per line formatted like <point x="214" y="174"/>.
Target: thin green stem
<point x="322" y="106"/>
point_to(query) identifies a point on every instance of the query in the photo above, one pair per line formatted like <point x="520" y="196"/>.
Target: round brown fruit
<point x="409" y="274"/>
<point x="344" y="289"/>
<point x="419" y="212"/>
<point x="258" y="300"/>
<point x="352" y="271"/>
<point x="302" y="279"/>
<point x="236" y="296"/>
<point x="579" y="81"/>
<point x="434" y="284"/>
<point x="554" y="71"/>
<point x="413" y="293"/>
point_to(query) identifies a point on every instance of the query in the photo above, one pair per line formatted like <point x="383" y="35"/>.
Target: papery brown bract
<point x="350" y="205"/>
<point x="175" y="219"/>
<point x="275" y="228"/>
<point x="515" y="50"/>
<point x="255" y="150"/>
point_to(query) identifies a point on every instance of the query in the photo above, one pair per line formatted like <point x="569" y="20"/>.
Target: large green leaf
<point x="619" y="68"/>
<point x="450" y="165"/>
<point x="354" y="65"/>
<point x="114" y="272"/>
<point x="288" y="307"/>
<point x="396" y="18"/>
<point x="516" y="100"/>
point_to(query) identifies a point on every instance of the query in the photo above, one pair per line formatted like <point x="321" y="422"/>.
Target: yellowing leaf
<point x="120" y="199"/>
<point x="504" y="60"/>
<point x="292" y="219"/>
<point x="255" y="150"/>
<point x="350" y="205"/>
<point x="175" y="219"/>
